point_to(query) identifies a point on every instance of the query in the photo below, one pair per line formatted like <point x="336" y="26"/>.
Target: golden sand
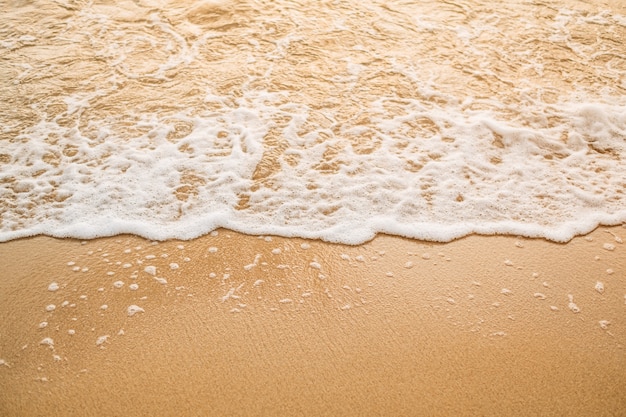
<point x="245" y="325"/>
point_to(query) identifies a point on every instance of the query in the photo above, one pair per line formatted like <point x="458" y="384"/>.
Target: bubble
<point x="599" y="287"/>
<point x="134" y="309"/>
<point x="47" y="342"/>
<point x="571" y="305"/>
<point x="101" y="340"/>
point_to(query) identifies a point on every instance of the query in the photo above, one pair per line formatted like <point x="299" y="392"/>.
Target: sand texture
<point x="230" y="324"/>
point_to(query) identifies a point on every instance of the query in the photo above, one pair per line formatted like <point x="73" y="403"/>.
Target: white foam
<point x="53" y="287"/>
<point x="599" y="287"/>
<point x="134" y="309"/>
<point x="441" y="164"/>
<point x="571" y="305"/>
<point x="101" y="340"/>
<point x="609" y="246"/>
<point x="47" y="341"/>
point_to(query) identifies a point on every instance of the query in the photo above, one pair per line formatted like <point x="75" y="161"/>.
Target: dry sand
<point x="274" y="326"/>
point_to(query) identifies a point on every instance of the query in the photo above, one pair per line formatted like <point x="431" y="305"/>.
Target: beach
<point x="230" y="324"/>
<point x="329" y="208"/>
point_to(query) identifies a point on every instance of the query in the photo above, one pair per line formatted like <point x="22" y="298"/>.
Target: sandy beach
<point x="230" y="324"/>
<point x="331" y="120"/>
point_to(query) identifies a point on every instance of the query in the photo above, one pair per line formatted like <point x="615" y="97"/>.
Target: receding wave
<point x="325" y="119"/>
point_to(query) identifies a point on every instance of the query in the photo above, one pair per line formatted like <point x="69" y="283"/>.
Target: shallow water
<point x="332" y="120"/>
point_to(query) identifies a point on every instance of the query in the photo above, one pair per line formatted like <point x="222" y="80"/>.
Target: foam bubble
<point x="599" y="287"/>
<point x="47" y="342"/>
<point x="53" y="287"/>
<point x="134" y="309"/>
<point x="101" y="340"/>
<point x="571" y="305"/>
<point x="609" y="246"/>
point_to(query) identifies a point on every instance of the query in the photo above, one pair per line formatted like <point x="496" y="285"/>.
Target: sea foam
<point x="373" y="132"/>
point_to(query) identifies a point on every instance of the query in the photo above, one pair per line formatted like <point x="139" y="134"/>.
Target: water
<point x="333" y="120"/>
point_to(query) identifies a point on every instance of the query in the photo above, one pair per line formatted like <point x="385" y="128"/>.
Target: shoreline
<point x="233" y="324"/>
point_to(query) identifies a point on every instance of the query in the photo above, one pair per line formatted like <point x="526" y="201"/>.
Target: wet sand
<point x="245" y="325"/>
